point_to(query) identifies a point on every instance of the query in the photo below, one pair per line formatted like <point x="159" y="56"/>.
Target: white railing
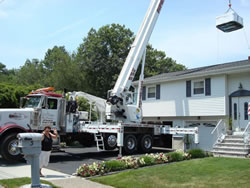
<point x="221" y="131"/>
<point x="246" y="134"/>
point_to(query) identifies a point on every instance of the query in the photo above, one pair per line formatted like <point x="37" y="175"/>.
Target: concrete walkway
<point x="57" y="178"/>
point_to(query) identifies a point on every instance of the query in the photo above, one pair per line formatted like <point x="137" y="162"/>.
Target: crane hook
<point x="230" y="4"/>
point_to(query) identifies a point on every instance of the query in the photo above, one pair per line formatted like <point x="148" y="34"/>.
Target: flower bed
<point x="130" y="162"/>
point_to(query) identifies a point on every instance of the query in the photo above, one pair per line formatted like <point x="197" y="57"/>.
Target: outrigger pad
<point x="229" y="22"/>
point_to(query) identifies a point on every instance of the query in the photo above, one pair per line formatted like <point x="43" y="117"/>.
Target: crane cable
<point x="230" y="6"/>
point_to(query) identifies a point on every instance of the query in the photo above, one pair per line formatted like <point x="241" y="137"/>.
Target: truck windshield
<point x="31" y="102"/>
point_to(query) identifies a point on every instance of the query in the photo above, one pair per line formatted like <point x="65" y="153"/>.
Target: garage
<point x="206" y="139"/>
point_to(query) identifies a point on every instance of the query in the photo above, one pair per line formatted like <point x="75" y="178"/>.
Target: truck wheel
<point x="9" y="149"/>
<point x="146" y="143"/>
<point x="130" y="144"/>
<point x="110" y="141"/>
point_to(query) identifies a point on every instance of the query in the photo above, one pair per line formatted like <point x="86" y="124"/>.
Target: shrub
<point x="131" y="162"/>
<point x="136" y="162"/>
<point x="114" y="165"/>
<point x="160" y="158"/>
<point x="175" y="156"/>
<point x="86" y="170"/>
<point x="196" y="153"/>
<point x="148" y="160"/>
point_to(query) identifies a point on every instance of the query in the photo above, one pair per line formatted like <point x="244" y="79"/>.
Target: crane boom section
<point x="139" y="45"/>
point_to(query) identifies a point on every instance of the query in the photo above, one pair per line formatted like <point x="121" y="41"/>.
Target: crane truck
<point x="128" y="132"/>
<point x="123" y="128"/>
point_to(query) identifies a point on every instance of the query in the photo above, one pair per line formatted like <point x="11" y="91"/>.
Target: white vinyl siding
<point x="173" y="101"/>
<point x="235" y="80"/>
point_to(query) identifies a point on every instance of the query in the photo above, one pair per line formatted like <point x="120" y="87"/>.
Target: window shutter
<point x="144" y="93"/>
<point x="188" y="88"/>
<point x="158" y="91"/>
<point x="208" y="86"/>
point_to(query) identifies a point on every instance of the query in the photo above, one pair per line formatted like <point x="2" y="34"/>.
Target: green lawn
<point x="206" y="172"/>
<point x="17" y="182"/>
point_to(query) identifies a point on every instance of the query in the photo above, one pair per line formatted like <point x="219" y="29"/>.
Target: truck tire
<point x="146" y="143"/>
<point x="110" y="141"/>
<point x="130" y="144"/>
<point x="9" y="150"/>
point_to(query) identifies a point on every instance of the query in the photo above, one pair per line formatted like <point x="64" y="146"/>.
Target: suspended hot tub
<point x="229" y="22"/>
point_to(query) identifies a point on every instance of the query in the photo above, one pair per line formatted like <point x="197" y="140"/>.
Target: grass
<point x="17" y="182"/>
<point x="206" y="172"/>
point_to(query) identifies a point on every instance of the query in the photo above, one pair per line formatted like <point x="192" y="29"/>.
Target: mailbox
<point x="29" y="143"/>
<point x="30" y="146"/>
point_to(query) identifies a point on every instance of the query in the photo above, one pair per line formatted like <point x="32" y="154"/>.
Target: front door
<point x="240" y="112"/>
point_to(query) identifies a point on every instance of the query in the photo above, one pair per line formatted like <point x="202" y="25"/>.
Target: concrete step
<point x="233" y="140"/>
<point x="234" y="136"/>
<point x="231" y="149"/>
<point x="229" y="154"/>
<point x="238" y="145"/>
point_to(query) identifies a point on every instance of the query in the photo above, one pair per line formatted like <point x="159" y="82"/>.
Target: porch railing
<point x="246" y="134"/>
<point x="219" y="131"/>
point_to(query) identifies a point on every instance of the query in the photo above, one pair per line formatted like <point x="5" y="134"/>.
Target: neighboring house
<point x="199" y="97"/>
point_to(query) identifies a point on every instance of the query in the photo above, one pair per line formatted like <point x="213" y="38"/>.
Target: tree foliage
<point x="102" y="55"/>
<point x="10" y="94"/>
<point x="30" y="73"/>
<point x="61" y="70"/>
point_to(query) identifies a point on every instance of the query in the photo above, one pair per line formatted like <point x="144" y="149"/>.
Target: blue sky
<point x="185" y="29"/>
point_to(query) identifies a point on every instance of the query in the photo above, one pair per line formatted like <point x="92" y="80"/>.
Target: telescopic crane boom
<point x="119" y="104"/>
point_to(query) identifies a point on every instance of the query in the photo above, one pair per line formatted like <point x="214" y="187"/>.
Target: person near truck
<point x="47" y="139"/>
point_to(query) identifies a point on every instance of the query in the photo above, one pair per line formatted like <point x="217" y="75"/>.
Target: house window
<point x="246" y="110"/>
<point x="235" y="111"/>
<point x="198" y="87"/>
<point x="151" y="92"/>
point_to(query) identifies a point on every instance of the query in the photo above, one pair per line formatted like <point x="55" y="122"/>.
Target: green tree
<point x="3" y="69"/>
<point x="10" y="94"/>
<point x="102" y="55"/>
<point x="32" y="72"/>
<point x="61" y="70"/>
<point x="6" y="75"/>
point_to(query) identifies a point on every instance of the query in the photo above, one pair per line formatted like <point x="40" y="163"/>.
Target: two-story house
<point x="199" y="97"/>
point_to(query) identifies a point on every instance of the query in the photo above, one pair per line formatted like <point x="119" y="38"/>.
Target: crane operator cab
<point x="230" y="21"/>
